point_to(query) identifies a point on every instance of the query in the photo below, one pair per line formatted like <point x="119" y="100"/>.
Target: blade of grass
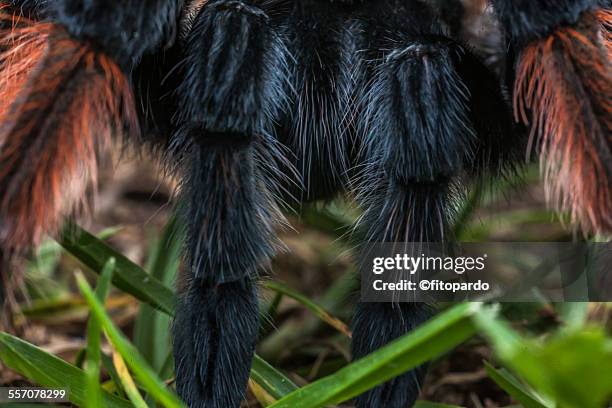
<point x="310" y="305"/>
<point x="46" y="257"/>
<point x="128" y="277"/>
<point x="267" y="377"/>
<point x="574" y="314"/>
<point x="114" y="384"/>
<point x="166" y="254"/>
<point x="292" y="333"/>
<point x="94" y="331"/>
<point x="109" y="232"/>
<point x="513" y="387"/>
<point x="50" y="371"/>
<point x="127" y="382"/>
<point x="139" y="366"/>
<point x="151" y="334"/>
<point x="268" y="314"/>
<point x="260" y="394"/>
<point x="167" y="368"/>
<point x="434" y="338"/>
<point x="66" y="307"/>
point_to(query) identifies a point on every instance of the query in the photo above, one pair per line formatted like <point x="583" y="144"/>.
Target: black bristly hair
<point x="318" y="127"/>
<point x="234" y="87"/>
<point x="258" y="104"/>
<point x="28" y="7"/>
<point x="126" y="30"/>
<point x="528" y="20"/>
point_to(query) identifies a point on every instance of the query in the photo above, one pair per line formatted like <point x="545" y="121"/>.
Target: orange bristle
<point x="61" y="101"/>
<point x="564" y="89"/>
<point x="189" y="15"/>
<point x="605" y="19"/>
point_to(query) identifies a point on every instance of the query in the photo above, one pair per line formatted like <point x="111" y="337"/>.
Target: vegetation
<point x="540" y="355"/>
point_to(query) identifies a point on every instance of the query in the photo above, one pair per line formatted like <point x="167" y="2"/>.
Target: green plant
<point x="565" y="366"/>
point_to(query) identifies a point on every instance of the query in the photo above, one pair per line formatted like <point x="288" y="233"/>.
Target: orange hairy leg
<point x="563" y="90"/>
<point x="62" y="101"/>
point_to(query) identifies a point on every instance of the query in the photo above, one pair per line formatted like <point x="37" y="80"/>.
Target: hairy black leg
<point x="374" y="326"/>
<point x="232" y="90"/>
<point x="230" y="216"/>
<point x="418" y="138"/>
<point x="400" y="212"/>
<point x="215" y="332"/>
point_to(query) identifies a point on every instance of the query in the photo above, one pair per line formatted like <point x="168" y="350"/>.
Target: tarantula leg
<point x="407" y="212"/>
<point x="419" y="138"/>
<point x="231" y="93"/>
<point x="230" y="239"/>
<point x="562" y="92"/>
<point x="231" y="217"/>
<point x="374" y="326"/>
<point x="65" y="93"/>
<point x="215" y="334"/>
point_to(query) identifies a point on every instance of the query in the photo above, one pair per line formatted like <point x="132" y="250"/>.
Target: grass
<point x="563" y="364"/>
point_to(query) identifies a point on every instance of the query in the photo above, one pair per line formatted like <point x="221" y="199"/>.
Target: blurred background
<point x="133" y="208"/>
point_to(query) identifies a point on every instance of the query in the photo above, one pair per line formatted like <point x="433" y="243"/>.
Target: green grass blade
<point x="128" y="382"/>
<point x="506" y="341"/>
<point x="151" y="328"/>
<point x="114" y="384"/>
<point x="574" y="314"/>
<point x="145" y="374"/>
<point x="128" y="277"/>
<point x="316" y="309"/>
<point x="434" y="338"/>
<point x="513" y="387"/>
<point x="167" y="368"/>
<point x="94" y="331"/>
<point x="268" y="312"/>
<point x="270" y="379"/>
<point x="50" y="371"/>
<point x="108" y="233"/>
<point x="165" y="256"/>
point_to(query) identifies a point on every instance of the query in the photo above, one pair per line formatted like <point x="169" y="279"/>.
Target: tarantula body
<point x="257" y="104"/>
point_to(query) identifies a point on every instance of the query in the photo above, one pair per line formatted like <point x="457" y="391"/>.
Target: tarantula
<point x="257" y="104"/>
